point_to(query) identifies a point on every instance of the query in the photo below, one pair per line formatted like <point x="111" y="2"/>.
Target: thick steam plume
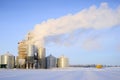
<point x="94" y="17"/>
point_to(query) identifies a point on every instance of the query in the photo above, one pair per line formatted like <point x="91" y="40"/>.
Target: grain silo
<point x="51" y="61"/>
<point x="30" y="56"/>
<point x="7" y="61"/>
<point x="41" y="58"/>
<point x="63" y="62"/>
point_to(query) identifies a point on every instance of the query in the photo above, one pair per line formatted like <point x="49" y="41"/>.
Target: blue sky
<point x="18" y="17"/>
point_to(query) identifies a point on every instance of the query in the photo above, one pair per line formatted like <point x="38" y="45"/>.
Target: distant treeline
<point x="93" y="65"/>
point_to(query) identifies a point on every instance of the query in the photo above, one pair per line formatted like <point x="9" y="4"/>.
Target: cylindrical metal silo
<point x="30" y="56"/>
<point x="51" y="61"/>
<point x="7" y="61"/>
<point x="30" y="52"/>
<point x="63" y="62"/>
<point x="41" y="57"/>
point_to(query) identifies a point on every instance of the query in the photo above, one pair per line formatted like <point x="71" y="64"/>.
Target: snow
<point x="61" y="74"/>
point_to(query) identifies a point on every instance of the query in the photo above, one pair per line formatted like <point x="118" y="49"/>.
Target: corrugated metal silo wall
<point x="51" y="62"/>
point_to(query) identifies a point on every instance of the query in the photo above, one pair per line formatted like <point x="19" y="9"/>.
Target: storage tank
<point x="7" y="60"/>
<point x="41" y="57"/>
<point x="30" y="56"/>
<point x="51" y="61"/>
<point x="63" y="62"/>
<point x="30" y="50"/>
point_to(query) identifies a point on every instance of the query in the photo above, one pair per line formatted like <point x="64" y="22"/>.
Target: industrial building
<point x="31" y="56"/>
<point x="33" y="61"/>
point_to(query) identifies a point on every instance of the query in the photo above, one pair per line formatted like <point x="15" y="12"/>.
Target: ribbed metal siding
<point x="51" y="61"/>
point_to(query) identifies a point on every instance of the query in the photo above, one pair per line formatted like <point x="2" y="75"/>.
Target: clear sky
<point x="90" y="46"/>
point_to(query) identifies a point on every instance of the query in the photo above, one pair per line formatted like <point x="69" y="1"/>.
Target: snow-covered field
<point x="61" y="74"/>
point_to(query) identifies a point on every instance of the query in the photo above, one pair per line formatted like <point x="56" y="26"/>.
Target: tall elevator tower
<point x="22" y="54"/>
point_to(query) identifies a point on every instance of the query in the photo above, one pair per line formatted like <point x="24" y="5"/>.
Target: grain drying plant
<point x="31" y="56"/>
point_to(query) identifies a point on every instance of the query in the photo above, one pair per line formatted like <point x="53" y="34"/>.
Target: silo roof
<point x="8" y="54"/>
<point x="50" y="55"/>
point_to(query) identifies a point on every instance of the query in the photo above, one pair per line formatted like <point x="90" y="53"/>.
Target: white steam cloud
<point x="94" y="17"/>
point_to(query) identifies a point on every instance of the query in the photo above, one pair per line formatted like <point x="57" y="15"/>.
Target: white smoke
<point x="91" y="44"/>
<point x="93" y="17"/>
<point x="118" y="47"/>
